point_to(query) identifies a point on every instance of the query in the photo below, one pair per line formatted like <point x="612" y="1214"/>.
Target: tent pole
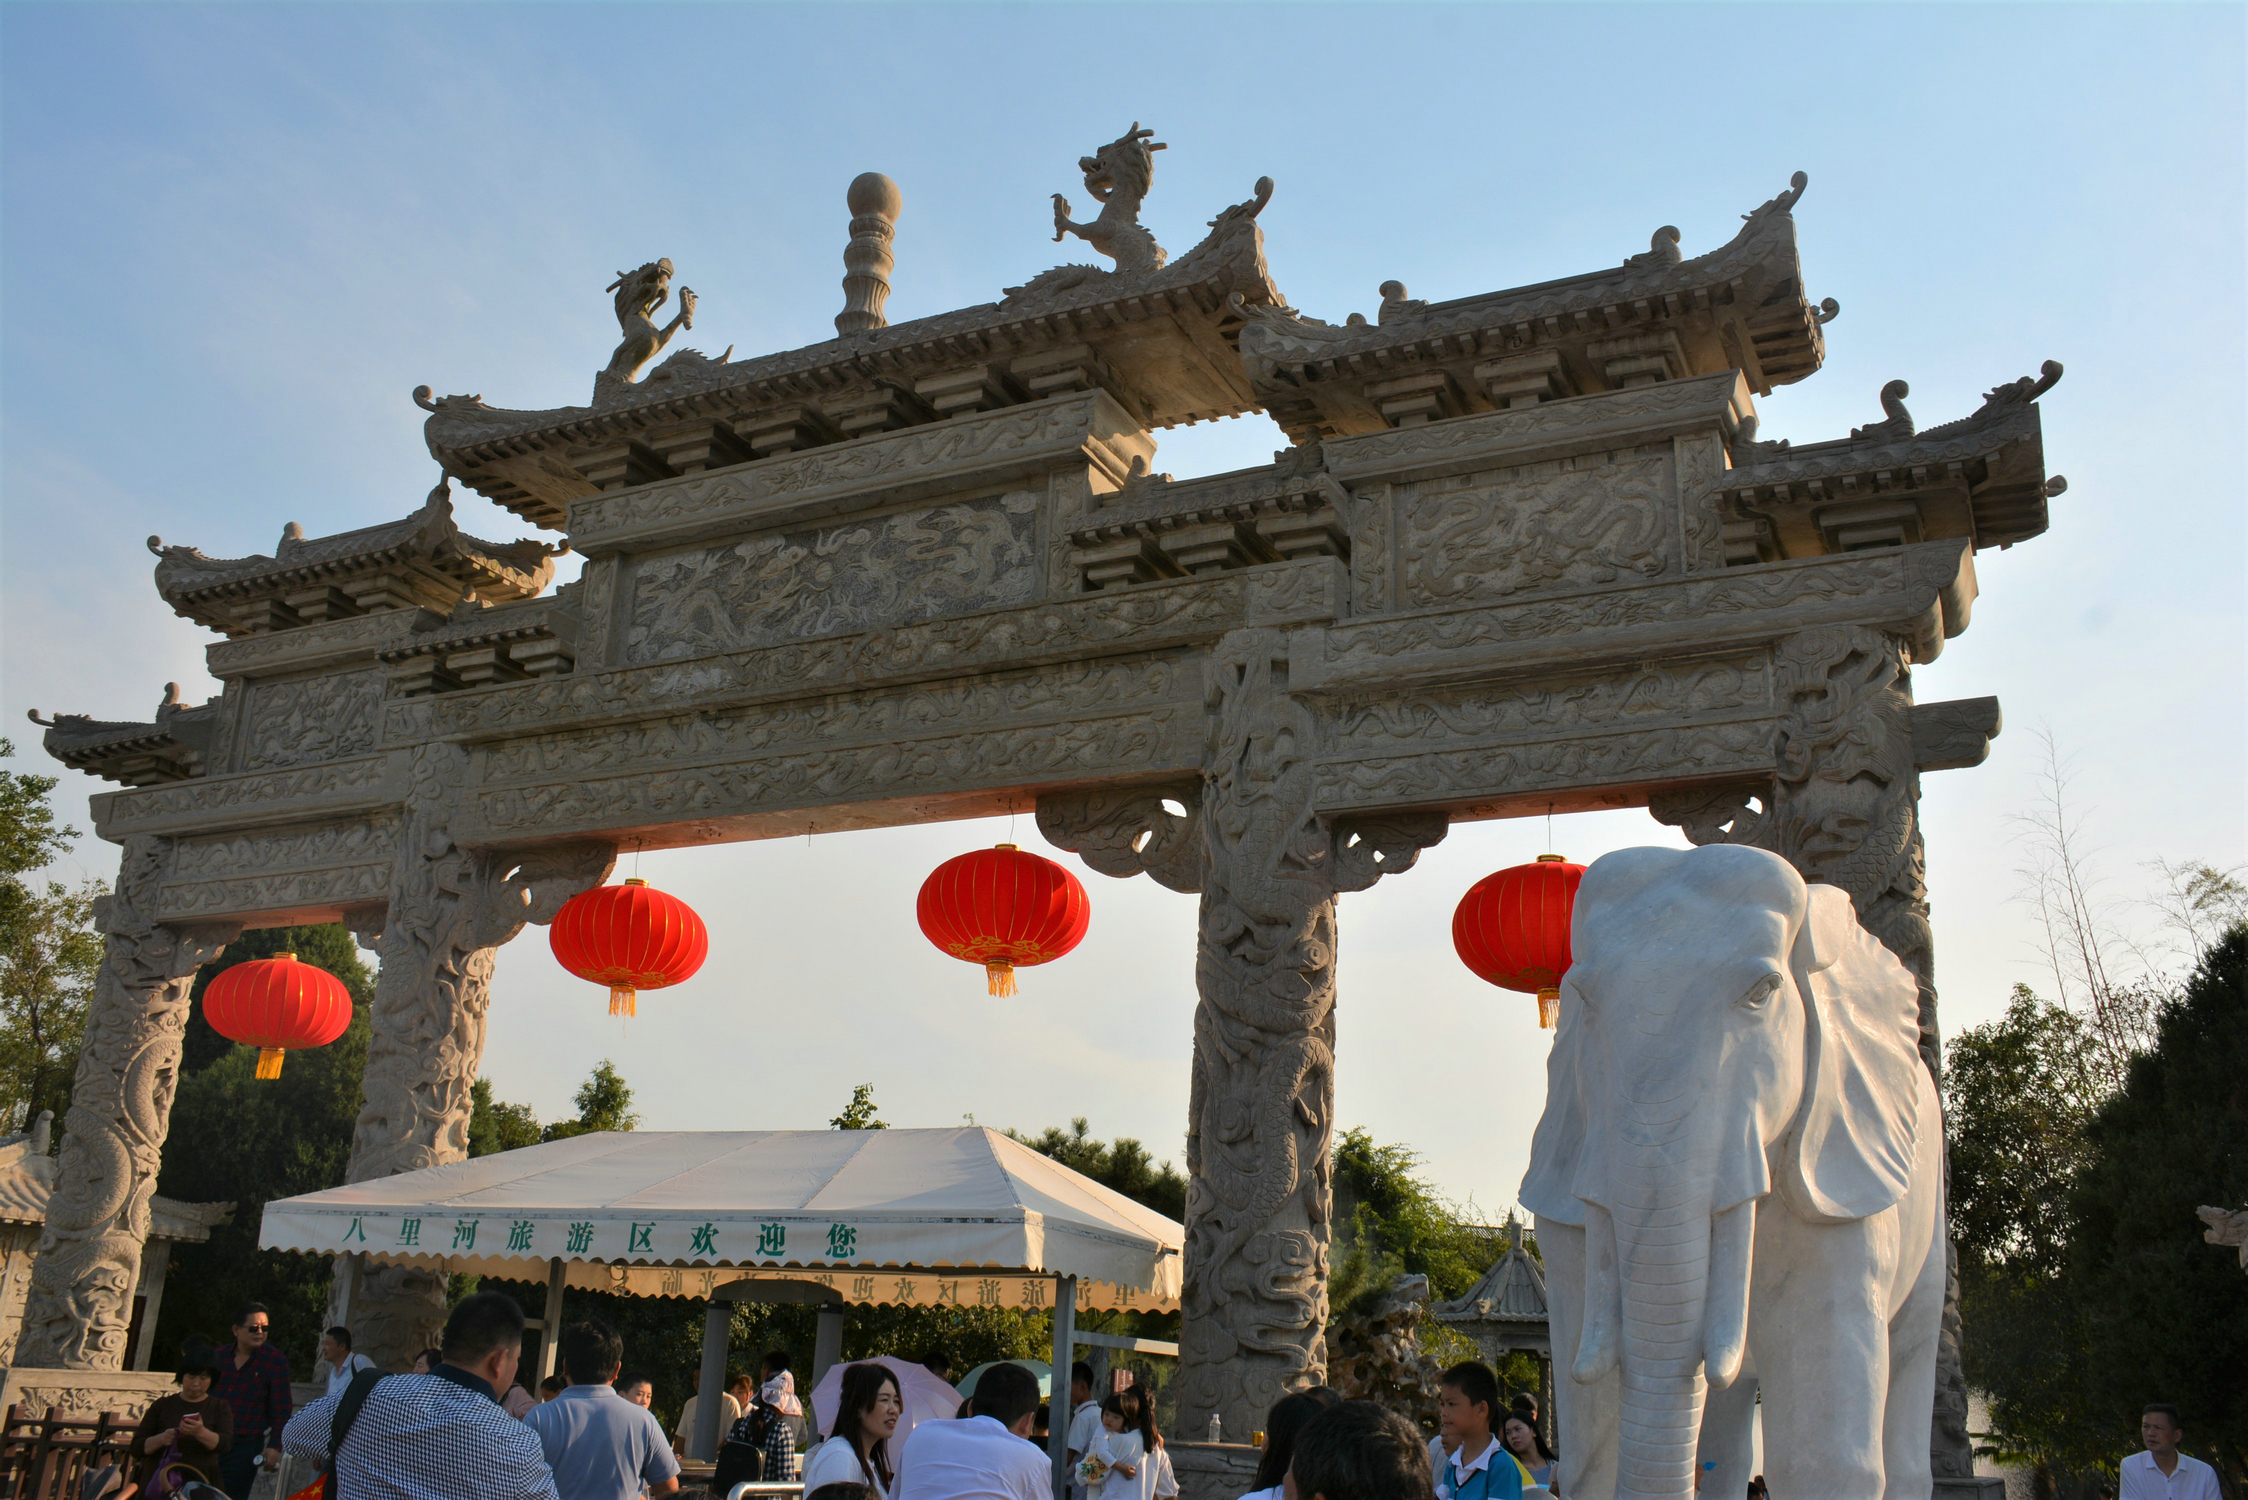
<point x="718" y="1323"/>
<point x="827" y="1341"/>
<point x="1057" y="1402"/>
<point x="550" y="1331"/>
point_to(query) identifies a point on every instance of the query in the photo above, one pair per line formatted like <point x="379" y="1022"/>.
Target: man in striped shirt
<point x="440" y="1436"/>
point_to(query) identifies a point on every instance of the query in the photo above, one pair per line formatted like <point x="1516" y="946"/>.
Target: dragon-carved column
<point x="1260" y="1121"/>
<point x="80" y="1300"/>
<point x="450" y="909"/>
<point x="1843" y="807"/>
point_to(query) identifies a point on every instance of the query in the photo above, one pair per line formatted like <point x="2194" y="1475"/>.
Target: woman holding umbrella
<point x="857" y="1448"/>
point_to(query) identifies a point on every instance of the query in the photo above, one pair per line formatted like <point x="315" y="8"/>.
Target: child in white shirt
<point x="1126" y="1441"/>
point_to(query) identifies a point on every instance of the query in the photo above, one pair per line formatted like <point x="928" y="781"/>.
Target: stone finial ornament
<point x="1118" y="175"/>
<point x="640" y="293"/>
<point x="875" y="203"/>
<point x="1662" y="250"/>
<point x="1896" y="423"/>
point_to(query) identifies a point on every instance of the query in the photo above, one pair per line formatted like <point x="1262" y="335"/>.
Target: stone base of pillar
<point x="1215" y="1471"/>
<point x="1981" y="1487"/>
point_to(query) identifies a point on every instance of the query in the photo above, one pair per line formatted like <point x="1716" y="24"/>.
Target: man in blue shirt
<point x="601" y="1446"/>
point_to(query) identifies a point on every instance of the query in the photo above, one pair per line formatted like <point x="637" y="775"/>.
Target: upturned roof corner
<point x="423" y="559"/>
<point x="1657" y="317"/>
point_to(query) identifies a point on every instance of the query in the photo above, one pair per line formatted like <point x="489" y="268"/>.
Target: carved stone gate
<point x="1525" y="552"/>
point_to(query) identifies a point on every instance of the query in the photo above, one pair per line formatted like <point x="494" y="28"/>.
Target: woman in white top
<point x="857" y="1451"/>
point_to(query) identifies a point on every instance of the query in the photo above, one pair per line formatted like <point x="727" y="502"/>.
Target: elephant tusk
<point x="1596" y="1345"/>
<point x="1732" y="1245"/>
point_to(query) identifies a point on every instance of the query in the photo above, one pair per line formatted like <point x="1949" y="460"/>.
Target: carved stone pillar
<point x="1260" y="1121"/>
<point x="120" y="1112"/>
<point x="450" y="908"/>
<point x="1843" y="807"/>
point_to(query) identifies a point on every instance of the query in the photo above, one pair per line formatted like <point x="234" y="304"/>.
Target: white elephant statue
<point x="1737" y="1183"/>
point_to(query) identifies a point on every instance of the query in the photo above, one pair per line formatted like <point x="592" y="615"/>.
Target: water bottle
<point x="1217" y="1428"/>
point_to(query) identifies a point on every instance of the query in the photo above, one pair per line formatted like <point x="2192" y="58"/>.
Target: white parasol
<point x="926" y="1397"/>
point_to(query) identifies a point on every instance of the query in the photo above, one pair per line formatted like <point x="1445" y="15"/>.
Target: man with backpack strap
<point x="439" y="1436"/>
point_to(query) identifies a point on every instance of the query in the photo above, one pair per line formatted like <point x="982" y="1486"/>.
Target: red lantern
<point x="1512" y="928"/>
<point x="1002" y="908"/>
<point x="277" y="1003"/>
<point x="630" y="937"/>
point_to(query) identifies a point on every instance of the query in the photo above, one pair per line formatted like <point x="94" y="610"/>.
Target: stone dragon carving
<point x="639" y="294"/>
<point x="1119" y="175"/>
<point x="450" y="908"/>
<point x="89" y="1254"/>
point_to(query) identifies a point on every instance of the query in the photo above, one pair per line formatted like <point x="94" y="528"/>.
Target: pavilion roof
<point x="1511" y="1294"/>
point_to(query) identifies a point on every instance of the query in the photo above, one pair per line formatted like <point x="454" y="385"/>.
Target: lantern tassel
<point x="269" y="1062"/>
<point x="623" y="1000"/>
<point x="1549" y="1008"/>
<point x="1001" y="975"/>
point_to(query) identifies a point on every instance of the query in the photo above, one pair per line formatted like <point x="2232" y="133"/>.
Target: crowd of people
<point x="460" y="1424"/>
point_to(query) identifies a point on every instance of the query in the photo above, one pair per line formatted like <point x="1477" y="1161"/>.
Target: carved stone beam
<point x="89" y="1254"/>
<point x="1131" y="832"/>
<point x="1953" y="736"/>
<point x="1369" y="847"/>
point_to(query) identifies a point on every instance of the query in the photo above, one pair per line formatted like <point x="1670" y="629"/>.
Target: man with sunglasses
<point x="254" y="1382"/>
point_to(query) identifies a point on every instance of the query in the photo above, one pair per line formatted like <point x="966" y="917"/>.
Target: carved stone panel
<point x="833" y="580"/>
<point x="311" y="719"/>
<point x="298" y="871"/>
<point x="1474" y="537"/>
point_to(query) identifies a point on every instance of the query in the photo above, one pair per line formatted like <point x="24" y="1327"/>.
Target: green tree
<point x="2162" y="1313"/>
<point x="494" y="1125"/>
<point x="29" y="835"/>
<point x="1122" y="1165"/>
<point x="237" y="1138"/>
<point x="859" y="1114"/>
<point x="50" y="955"/>
<point x="2020" y="1094"/>
<point x="1390" y="1218"/>
<point x="604" y="1102"/>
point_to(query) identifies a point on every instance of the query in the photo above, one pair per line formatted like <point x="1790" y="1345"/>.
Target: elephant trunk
<point x="1681" y="1283"/>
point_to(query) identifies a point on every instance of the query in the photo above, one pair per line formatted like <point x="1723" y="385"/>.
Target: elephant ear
<point x="1558" y="1146"/>
<point x="1849" y="1153"/>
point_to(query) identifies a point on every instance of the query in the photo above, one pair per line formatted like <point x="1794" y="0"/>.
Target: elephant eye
<point x="1761" y="992"/>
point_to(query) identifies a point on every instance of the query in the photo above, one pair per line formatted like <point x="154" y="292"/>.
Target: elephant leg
<point x="1819" y="1333"/>
<point x="1729" y="1437"/>
<point x="1913" y="1335"/>
<point x="1585" y="1416"/>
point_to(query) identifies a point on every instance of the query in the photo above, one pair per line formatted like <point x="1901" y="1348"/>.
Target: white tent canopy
<point x="841" y="1207"/>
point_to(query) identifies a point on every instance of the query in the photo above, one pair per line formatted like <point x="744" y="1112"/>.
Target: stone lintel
<point x="1550" y="429"/>
<point x="254" y="800"/>
<point x="1167" y="616"/>
<point x="937" y="458"/>
<point x="1955" y="735"/>
<point x="1921" y="593"/>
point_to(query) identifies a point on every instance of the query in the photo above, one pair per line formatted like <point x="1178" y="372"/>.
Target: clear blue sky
<point x="235" y="237"/>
